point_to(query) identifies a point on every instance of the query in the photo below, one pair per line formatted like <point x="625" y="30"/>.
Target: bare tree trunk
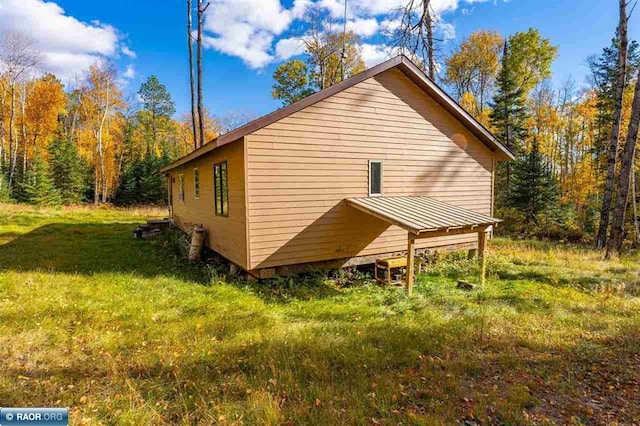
<point x="616" y="238"/>
<point x="23" y="101"/>
<point x="634" y="199"/>
<point x="429" y="25"/>
<point x="13" y="143"/>
<point x="103" y="180"/>
<point x="612" y="153"/>
<point x="191" y="76"/>
<point x="201" y="10"/>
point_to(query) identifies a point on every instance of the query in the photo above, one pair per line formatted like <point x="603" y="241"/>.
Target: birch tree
<point x="18" y="57"/>
<point x="101" y="101"/>
<point x="616" y="237"/>
<point x="612" y="152"/>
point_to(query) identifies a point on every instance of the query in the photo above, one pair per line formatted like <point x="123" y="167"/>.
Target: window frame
<point x="221" y="208"/>
<point x="372" y="194"/>
<point x="181" y="187"/>
<point x="196" y="183"/>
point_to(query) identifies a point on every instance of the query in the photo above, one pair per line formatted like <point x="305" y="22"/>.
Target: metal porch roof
<point x="418" y="214"/>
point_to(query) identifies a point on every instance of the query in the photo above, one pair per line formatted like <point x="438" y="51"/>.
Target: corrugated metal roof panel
<point x="420" y="213"/>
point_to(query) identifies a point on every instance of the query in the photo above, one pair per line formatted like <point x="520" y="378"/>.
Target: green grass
<point x="124" y="331"/>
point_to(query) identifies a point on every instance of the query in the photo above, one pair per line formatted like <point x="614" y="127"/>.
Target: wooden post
<point x="411" y="255"/>
<point x="482" y="242"/>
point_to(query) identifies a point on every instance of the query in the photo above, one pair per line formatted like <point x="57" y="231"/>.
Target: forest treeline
<point x="86" y="142"/>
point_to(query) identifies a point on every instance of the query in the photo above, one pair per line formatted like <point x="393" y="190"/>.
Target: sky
<point x="246" y="39"/>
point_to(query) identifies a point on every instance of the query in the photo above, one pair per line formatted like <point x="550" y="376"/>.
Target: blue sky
<point x="246" y="39"/>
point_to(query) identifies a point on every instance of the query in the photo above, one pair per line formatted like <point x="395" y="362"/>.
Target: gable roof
<point x="400" y="62"/>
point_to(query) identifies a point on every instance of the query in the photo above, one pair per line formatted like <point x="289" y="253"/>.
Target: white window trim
<point x="381" y="179"/>
<point x="196" y="191"/>
<point x="181" y="188"/>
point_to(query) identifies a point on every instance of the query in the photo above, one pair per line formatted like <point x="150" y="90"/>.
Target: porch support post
<point x="482" y="243"/>
<point x="411" y="259"/>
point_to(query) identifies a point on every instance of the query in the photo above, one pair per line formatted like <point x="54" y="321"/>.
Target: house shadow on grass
<point x="94" y="248"/>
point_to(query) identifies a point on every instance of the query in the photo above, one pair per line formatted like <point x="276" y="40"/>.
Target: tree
<point x="201" y="9"/>
<point x="17" y="57"/>
<point x="626" y="171"/>
<point x="531" y="56"/>
<point x="534" y="189"/>
<point x="191" y="76"/>
<point x="141" y="184"/>
<point x="38" y="187"/>
<point x="612" y="152"/>
<point x="156" y="115"/>
<point x="70" y="172"/>
<point x="414" y="34"/>
<point x="101" y="102"/>
<point x="324" y="47"/>
<point x="473" y="67"/>
<point x="292" y="82"/>
<point x="45" y="102"/>
<point x="508" y="117"/>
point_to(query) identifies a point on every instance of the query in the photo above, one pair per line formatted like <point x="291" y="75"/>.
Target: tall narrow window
<point x="181" y="188"/>
<point x="220" y="180"/>
<point x="196" y="183"/>
<point x="375" y="178"/>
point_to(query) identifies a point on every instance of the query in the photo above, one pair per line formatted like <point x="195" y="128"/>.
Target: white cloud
<point x="258" y="31"/>
<point x="128" y="52"/>
<point x="289" y="47"/>
<point x="373" y="54"/>
<point x="247" y="28"/>
<point x="364" y="27"/>
<point x="130" y="72"/>
<point x="68" y="46"/>
<point x="447" y="30"/>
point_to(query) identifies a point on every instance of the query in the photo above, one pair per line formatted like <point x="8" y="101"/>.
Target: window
<point x="181" y="188"/>
<point x="375" y="177"/>
<point x="220" y="180"/>
<point x="196" y="183"/>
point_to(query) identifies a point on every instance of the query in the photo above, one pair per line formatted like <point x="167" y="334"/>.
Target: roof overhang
<point x="424" y="216"/>
<point x="403" y="64"/>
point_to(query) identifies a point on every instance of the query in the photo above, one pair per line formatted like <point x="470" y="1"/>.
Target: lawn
<point x="124" y="331"/>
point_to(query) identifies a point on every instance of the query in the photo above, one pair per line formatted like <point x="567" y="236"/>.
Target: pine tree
<point x="38" y="187"/>
<point x="141" y="184"/>
<point x="70" y="172"/>
<point x="508" y="117"/>
<point x="534" y="189"/>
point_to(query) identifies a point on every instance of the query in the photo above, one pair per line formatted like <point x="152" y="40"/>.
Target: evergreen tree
<point x="70" y="172"/>
<point x="38" y="187"/>
<point x="508" y="117"/>
<point x="534" y="189"/>
<point x="141" y="183"/>
<point x="5" y="193"/>
<point x="155" y="117"/>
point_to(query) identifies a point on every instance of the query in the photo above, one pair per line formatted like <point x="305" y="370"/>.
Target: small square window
<point x="196" y="183"/>
<point x="375" y="177"/>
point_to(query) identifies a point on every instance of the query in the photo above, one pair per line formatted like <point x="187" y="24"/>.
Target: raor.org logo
<point x="34" y="416"/>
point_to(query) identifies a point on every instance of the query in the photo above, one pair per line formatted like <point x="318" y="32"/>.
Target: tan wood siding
<point x="225" y="235"/>
<point x="302" y="167"/>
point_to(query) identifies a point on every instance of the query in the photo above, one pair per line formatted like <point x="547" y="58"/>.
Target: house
<point x="382" y="163"/>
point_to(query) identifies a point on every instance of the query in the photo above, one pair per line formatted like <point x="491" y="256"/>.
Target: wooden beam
<point x="458" y="231"/>
<point x="482" y="242"/>
<point x="411" y="261"/>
